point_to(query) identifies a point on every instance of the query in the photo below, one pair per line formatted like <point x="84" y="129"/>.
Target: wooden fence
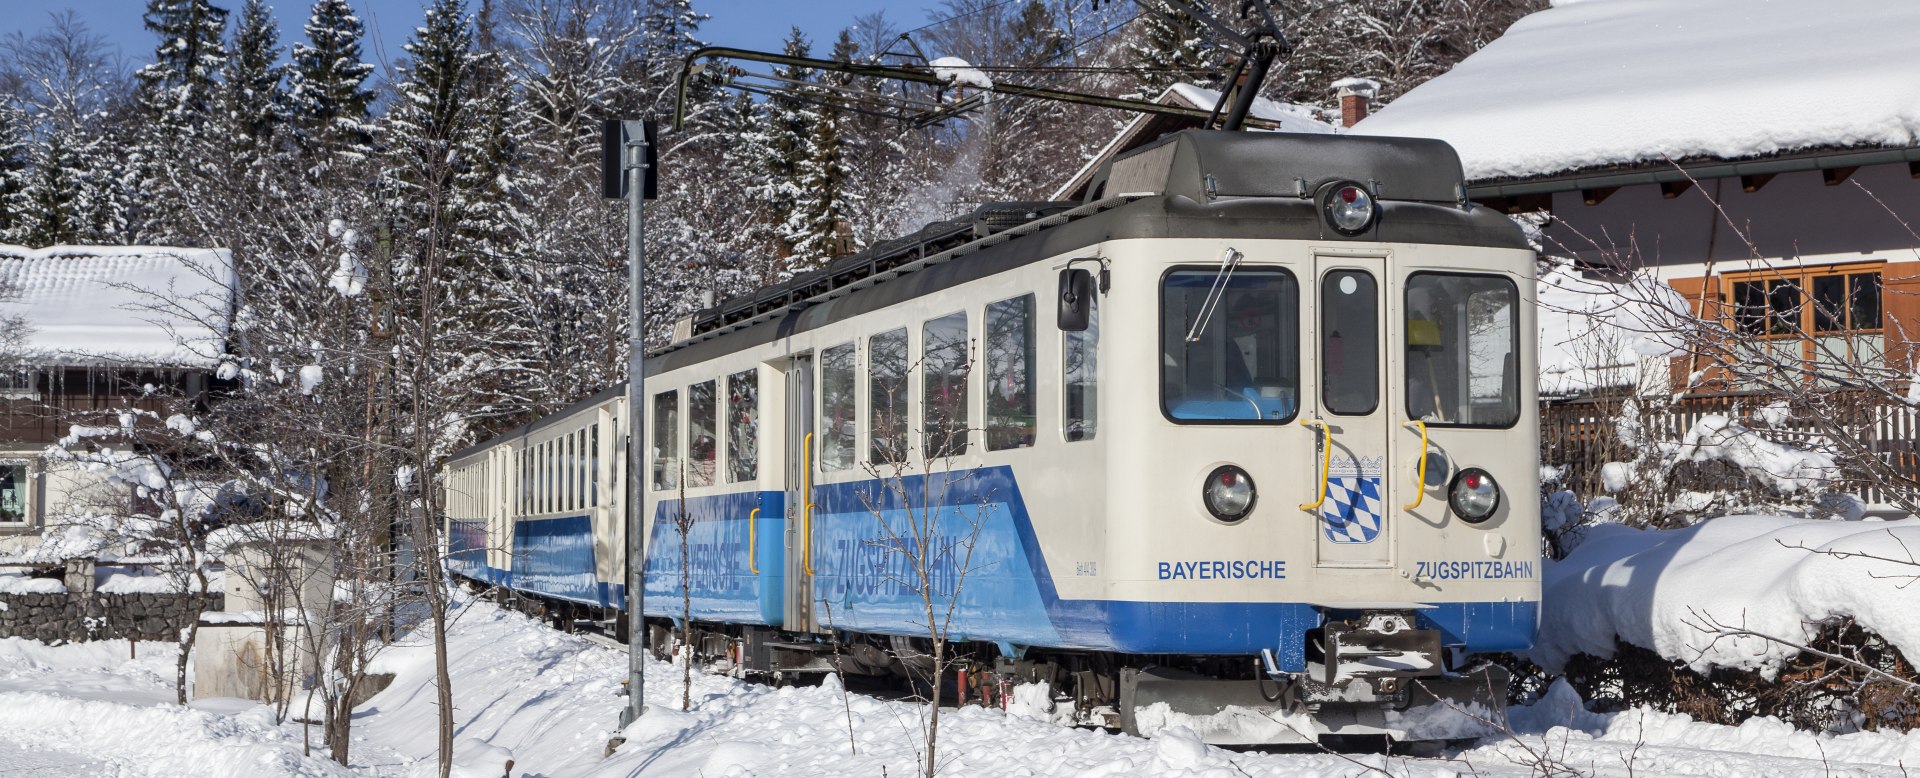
<point x="1582" y="434"/>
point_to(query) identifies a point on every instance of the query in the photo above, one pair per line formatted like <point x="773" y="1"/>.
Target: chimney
<point x="1355" y="95"/>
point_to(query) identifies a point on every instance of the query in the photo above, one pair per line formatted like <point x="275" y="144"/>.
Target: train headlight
<point x="1350" y="209"/>
<point x="1229" y="493"/>
<point x="1473" y="496"/>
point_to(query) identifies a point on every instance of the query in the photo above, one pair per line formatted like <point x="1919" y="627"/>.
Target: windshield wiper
<point x="1228" y="262"/>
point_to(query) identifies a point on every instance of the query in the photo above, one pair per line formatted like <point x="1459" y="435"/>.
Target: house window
<point x="1832" y="314"/>
<point x="18" y="384"/>
<point x="13" y="493"/>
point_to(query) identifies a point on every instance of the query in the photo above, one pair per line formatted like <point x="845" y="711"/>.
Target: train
<point x="1245" y="440"/>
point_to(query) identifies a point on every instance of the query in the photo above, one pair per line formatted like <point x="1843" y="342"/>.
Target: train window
<point x="582" y="462"/>
<point x="1010" y="406"/>
<point x="1081" y="406"/>
<point x="887" y="407"/>
<point x="1463" y="337"/>
<point x="946" y="359"/>
<point x="1230" y="346"/>
<point x="703" y="438"/>
<point x="743" y="426"/>
<point x="839" y="414"/>
<point x="593" y="465"/>
<point x="1349" y="342"/>
<point x="666" y="440"/>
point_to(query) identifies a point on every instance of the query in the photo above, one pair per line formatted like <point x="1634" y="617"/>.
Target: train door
<point x="1354" y="527"/>
<point x="799" y="482"/>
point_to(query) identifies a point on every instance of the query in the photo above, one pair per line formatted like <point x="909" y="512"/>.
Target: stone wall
<point x="81" y="617"/>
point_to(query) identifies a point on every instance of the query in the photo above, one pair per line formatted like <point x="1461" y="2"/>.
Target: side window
<point x="946" y="360"/>
<point x="593" y="477"/>
<point x="1349" y="342"/>
<point x="1080" y="376"/>
<point x="666" y="440"/>
<point x="887" y="419"/>
<point x="1010" y="405"/>
<point x="1462" y="338"/>
<point x="839" y="418"/>
<point x="703" y="441"/>
<point x="743" y="426"/>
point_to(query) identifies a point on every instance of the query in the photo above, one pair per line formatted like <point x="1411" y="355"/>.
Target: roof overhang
<point x="1533" y="193"/>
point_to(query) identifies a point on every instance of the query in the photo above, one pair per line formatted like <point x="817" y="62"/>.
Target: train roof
<point x="1192" y="184"/>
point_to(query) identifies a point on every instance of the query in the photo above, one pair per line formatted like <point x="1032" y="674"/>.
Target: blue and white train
<point x="1248" y="433"/>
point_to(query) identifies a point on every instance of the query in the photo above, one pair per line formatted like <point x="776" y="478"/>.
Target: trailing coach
<point x="1245" y="441"/>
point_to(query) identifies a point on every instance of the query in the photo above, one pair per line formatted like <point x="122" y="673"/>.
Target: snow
<point x="1292" y="118"/>
<point x="310" y="376"/>
<point x="955" y="70"/>
<point x="1716" y="437"/>
<point x="14" y="583"/>
<point x="138" y="304"/>
<point x="1671" y="591"/>
<point x="1595" y="334"/>
<point x="549" y="701"/>
<point x="1615" y="82"/>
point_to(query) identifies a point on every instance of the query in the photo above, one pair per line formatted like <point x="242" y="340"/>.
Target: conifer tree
<point x="15" y="150"/>
<point x="824" y="198"/>
<point x="790" y="120"/>
<point x="255" y="103"/>
<point x="178" y="95"/>
<point x="1171" y="47"/>
<point x="327" y="94"/>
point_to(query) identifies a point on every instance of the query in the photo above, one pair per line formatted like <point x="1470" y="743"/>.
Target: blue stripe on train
<point x="1007" y="591"/>
<point x="725" y="587"/>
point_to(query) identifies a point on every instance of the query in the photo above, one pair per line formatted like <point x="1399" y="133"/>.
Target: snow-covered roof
<point x="1598" y="83"/>
<point x="1290" y="118"/>
<point x="144" y="305"/>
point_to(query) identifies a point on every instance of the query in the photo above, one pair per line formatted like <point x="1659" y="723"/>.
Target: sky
<point x="753" y="24"/>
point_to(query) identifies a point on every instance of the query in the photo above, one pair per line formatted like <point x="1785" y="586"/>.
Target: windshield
<point x="1242" y="362"/>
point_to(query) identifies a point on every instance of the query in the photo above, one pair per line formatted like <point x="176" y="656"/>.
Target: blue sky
<point x="755" y="24"/>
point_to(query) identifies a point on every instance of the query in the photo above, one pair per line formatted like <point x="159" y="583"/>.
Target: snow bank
<point x="140" y="304"/>
<point x="1676" y="592"/>
<point x="1594" y="334"/>
<point x="1607" y="82"/>
<point x="1561" y="719"/>
<point x="20" y="584"/>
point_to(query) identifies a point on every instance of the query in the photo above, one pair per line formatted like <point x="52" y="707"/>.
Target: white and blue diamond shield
<point x="1353" y="512"/>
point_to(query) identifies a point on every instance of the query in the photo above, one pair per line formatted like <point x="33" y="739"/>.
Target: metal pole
<point x="636" y="163"/>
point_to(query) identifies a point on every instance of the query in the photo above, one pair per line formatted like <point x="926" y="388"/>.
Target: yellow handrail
<point x="753" y="542"/>
<point x="1326" y="462"/>
<point x="806" y="503"/>
<point x="1420" y="474"/>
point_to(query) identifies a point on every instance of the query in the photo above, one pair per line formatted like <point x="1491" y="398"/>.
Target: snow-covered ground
<point x="550" y="702"/>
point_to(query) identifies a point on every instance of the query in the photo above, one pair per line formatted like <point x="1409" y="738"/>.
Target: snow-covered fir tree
<point x="1170" y="46"/>
<point x="817" y="225"/>
<point x="327" y="95"/>
<point x="179" y="99"/>
<point x="255" y="102"/>
<point x="15" y="150"/>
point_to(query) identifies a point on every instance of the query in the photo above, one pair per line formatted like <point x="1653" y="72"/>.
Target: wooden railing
<point x="1581" y="435"/>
